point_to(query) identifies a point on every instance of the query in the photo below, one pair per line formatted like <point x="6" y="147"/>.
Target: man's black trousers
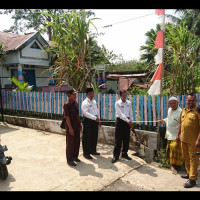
<point x="90" y="136"/>
<point x="122" y="135"/>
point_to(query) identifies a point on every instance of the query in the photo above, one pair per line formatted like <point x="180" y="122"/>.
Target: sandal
<point x="174" y="171"/>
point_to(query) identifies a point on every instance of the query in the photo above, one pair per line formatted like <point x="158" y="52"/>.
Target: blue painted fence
<point x="145" y="108"/>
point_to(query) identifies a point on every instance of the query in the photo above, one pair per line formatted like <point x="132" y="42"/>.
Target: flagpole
<point x="161" y="84"/>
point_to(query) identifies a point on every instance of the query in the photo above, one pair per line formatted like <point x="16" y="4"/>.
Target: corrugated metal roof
<point x="127" y="75"/>
<point x="124" y="83"/>
<point x="13" y="41"/>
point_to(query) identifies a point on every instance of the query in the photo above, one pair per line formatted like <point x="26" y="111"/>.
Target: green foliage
<point x="192" y="18"/>
<point x="137" y="91"/>
<point x="20" y="86"/>
<point x="75" y="49"/>
<point x="162" y="159"/>
<point x="181" y="58"/>
<point x="147" y="51"/>
<point x="2" y="53"/>
<point x="123" y="66"/>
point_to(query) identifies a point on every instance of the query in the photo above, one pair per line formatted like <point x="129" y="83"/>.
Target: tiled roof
<point x="13" y="41"/>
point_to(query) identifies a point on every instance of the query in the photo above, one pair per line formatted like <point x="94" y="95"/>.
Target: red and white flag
<point x="155" y="88"/>
<point x="160" y="11"/>
<point x="159" y="56"/>
<point x="159" y="39"/>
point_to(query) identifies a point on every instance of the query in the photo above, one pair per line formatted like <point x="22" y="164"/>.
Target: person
<point x="173" y="149"/>
<point x="198" y="139"/>
<point x="91" y="122"/>
<point x="189" y="129"/>
<point x="73" y="128"/>
<point x="124" y="122"/>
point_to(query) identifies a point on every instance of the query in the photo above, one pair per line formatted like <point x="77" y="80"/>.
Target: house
<point x="123" y="80"/>
<point x="26" y="59"/>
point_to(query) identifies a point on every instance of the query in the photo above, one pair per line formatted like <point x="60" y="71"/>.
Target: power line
<point x="106" y="26"/>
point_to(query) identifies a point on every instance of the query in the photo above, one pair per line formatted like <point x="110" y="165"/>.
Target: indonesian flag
<point x="159" y="39"/>
<point x="156" y="79"/>
<point x="159" y="56"/>
<point x="160" y="11"/>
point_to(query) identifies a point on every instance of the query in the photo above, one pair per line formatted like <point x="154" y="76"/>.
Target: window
<point x="35" y="46"/>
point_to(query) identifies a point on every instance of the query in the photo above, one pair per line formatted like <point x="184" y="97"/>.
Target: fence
<point x="145" y="108"/>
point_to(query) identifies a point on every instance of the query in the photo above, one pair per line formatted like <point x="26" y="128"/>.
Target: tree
<point x="184" y="47"/>
<point x="181" y="58"/>
<point x="132" y="65"/>
<point x="75" y="49"/>
<point x="192" y="18"/>
<point x="2" y="53"/>
<point x="148" y="51"/>
<point x="26" y="19"/>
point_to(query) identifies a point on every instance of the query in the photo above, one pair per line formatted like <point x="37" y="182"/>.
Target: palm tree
<point x="148" y="51"/>
<point x="192" y="18"/>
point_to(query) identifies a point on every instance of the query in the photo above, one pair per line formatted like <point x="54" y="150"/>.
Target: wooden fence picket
<point x="145" y="109"/>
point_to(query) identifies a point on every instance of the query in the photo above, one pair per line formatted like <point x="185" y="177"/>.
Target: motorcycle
<point x="4" y="161"/>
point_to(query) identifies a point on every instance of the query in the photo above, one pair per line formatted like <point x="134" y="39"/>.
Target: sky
<point x="122" y="38"/>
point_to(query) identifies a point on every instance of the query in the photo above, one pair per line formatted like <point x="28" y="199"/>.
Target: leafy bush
<point x="162" y="159"/>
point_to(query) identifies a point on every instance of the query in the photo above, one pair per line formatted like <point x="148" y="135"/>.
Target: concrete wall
<point x="145" y="144"/>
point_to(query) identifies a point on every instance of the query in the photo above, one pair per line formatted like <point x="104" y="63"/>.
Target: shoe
<point x="127" y="157"/>
<point x="71" y="163"/>
<point x="77" y="160"/>
<point x="88" y="156"/>
<point x="95" y="153"/>
<point x="190" y="183"/>
<point x="115" y="159"/>
<point x="185" y="176"/>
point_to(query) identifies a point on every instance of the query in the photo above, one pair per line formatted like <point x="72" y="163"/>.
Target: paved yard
<point x="39" y="164"/>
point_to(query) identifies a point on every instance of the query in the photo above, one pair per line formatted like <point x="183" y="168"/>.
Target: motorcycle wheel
<point x="3" y="172"/>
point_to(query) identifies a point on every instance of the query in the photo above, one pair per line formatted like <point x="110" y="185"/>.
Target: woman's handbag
<point x="62" y="125"/>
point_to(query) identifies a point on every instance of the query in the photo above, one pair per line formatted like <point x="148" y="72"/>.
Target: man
<point x="124" y="122"/>
<point x="73" y="128"/>
<point x="197" y="144"/>
<point x="173" y="149"/>
<point x="90" y="124"/>
<point x="189" y="129"/>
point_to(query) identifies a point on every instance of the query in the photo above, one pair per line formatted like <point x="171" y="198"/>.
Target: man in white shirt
<point x="90" y="124"/>
<point x="173" y="149"/>
<point x="124" y="122"/>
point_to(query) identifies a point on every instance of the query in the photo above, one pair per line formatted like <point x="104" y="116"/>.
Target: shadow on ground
<point x="5" y="184"/>
<point x="4" y="128"/>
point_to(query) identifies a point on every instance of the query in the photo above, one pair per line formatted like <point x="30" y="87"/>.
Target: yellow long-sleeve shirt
<point x="190" y="125"/>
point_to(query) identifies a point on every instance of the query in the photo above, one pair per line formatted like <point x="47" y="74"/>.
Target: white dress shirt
<point x="172" y="123"/>
<point x="124" y="110"/>
<point x="89" y="109"/>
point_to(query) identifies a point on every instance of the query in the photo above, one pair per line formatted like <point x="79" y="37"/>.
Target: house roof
<point x="14" y="42"/>
<point x="117" y="76"/>
<point x="125" y="83"/>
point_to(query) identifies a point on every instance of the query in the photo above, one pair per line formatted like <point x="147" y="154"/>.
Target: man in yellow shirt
<point x="190" y="130"/>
